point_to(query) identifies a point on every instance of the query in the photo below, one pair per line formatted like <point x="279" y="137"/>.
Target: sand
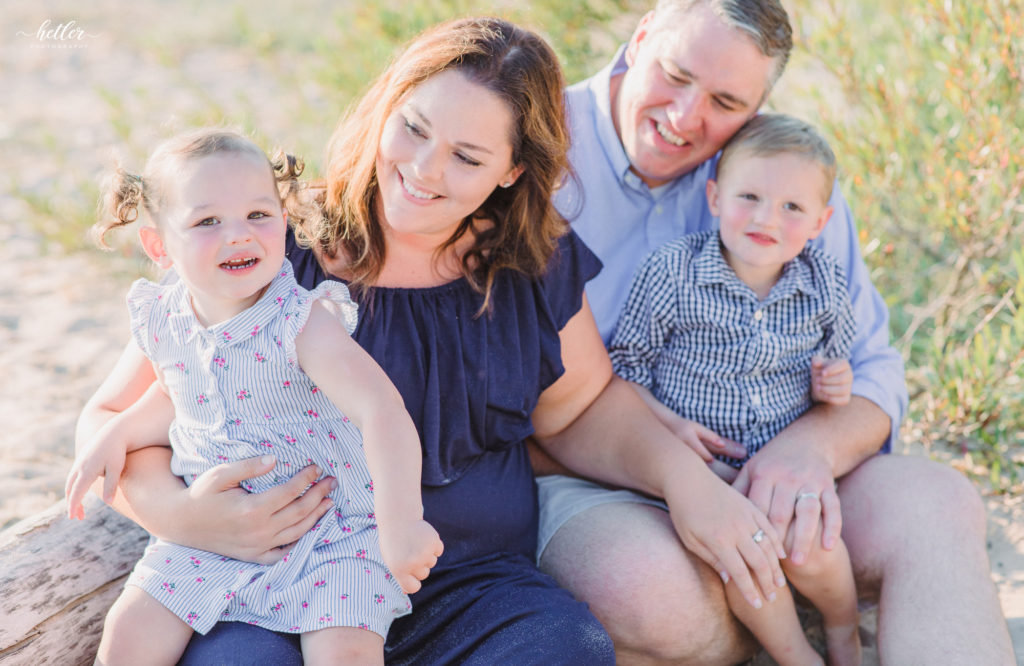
<point x="62" y="319"/>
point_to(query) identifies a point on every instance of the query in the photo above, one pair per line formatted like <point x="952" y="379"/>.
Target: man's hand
<point x="793" y="486"/>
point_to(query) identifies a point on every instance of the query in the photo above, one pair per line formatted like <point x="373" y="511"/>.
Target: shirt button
<point x="657" y="210"/>
<point x="755" y="400"/>
<point x="758" y="315"/>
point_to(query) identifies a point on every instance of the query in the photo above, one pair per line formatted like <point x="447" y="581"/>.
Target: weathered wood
<point x="58" y="577"/>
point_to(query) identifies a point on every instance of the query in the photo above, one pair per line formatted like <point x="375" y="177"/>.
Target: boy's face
<point x="768" y="207"/>
<point x="688" y="88"/>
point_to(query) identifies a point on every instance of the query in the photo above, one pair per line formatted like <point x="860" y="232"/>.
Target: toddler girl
<point x="255" y="365"/>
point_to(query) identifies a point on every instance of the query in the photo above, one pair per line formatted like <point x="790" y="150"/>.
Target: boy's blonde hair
<point x="770" y="134"/>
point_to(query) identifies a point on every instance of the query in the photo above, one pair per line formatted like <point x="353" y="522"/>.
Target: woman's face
<point x="443" y="151"/>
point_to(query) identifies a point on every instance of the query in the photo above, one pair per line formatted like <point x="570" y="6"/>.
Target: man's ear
<point x="712" y="194"/>
<point x="153" y="245"/>
<point x="822" y="220"/>
<point x="642" y="30"/>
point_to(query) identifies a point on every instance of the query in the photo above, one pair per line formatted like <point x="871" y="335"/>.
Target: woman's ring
<point x="801" y="496"/>
<point x="758" y="536"/>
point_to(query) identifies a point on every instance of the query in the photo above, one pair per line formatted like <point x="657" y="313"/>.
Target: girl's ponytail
<point x="123" y="194"/>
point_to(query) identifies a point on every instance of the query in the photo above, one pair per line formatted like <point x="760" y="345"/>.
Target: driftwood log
<point x="58" y="577"/>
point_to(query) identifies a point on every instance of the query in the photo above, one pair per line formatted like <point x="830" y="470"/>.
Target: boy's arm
<point x="360" y="388"/>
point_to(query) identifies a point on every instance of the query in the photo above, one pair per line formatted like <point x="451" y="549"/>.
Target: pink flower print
<point x="222" y="458"/>
<point x="312" y="413"/>
<point x="229" y="596"/>
<point x="379" y="598"/>
<point x="286" y="384"/>
<point x="343" y="597"/>
<point x="221" y="362"/>
<point x="227" y="335"/>
<point x="326" y="541"/>
<point x="387" y="576"/>
<point x="294" y="629"/>
<point x="202" y="399"/>
<point x="235" y="421"/>
<point x="363" y="625"/>
<point x="260" y="358"/>
<point x="331" y="436"/>
<point x="344" y="419"/>
<point x="319" y="583"/>
<point x="244" y="394"/>
<point x="366" y="571"/>
<point x="268" y="587"/>
<point x="314" y="389"/>
<point x="168" y="587"/>
<point x="295" y="292"/>
<point x="369" y="486"/>
<point x="181" y="367"/>
<point x="200" y="579"/>
<point x="255" y="330"/>
<point x="348" y="465"/>
<point x="268" y="417"/>
<point x="266" y="443"/>
<point x="277" y="341"/>
<point x="279" y="301"/>
<point x="196" y="562"/>
<point x="371" y="515"/>
<point x="332" y="463"/>
<point x="305" y="604"/>
<point x="361" y="553"/>
<point x="314" y="528"/>
<point x="310" y="432"/>
<point x="326" y="618"/>
<point x="167" y="561"/>
<point x="346" y="529"/>
<point x="192" y="617"/>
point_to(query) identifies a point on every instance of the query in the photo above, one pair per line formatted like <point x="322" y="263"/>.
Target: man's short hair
<point x="764" y="21"/>
<point x="769" y="134"/>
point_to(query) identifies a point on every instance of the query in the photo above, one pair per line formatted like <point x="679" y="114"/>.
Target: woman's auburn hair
<point x="523" y="71"/>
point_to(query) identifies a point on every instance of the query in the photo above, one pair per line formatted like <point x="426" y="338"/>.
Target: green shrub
<point x="928" y="125"/>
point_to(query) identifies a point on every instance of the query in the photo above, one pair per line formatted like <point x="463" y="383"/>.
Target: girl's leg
<point x="776" y="626"/>
<point x="826" y="579"/>
<point x="342" y="645"/>
<point x="140" y="630"/>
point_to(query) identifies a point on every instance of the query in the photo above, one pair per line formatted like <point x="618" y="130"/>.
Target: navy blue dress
<point x="470" y="384"/>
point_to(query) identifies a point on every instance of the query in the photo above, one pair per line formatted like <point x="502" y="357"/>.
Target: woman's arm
<point x="214" y="513"/>
<point x="597" y="425"/>
<point x="358" y="386"/>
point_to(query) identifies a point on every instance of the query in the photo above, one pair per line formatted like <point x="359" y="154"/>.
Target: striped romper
<point x="238" y="392"/>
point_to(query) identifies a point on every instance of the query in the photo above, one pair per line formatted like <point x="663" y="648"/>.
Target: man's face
<point x="691" y="83"/>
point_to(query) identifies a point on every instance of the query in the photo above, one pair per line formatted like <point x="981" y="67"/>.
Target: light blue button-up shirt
<point x="622" y="221"/>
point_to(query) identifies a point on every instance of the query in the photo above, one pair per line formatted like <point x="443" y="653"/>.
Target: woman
<point x="438" y="216"/>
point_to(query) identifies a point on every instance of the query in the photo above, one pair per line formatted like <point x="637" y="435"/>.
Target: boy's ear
<point x="712" y="194"/>
<point x="819" y="226"/>
<point x="154" y="246"/>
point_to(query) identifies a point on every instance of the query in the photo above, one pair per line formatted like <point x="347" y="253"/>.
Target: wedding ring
<point x="801" y="496"/>
<point x="758" y="536"/>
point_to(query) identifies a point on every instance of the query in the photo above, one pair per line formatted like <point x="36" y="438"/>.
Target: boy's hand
<point x="831" y="380"/>
<point x="410" y="550"/>
<point x="104" y="456"/>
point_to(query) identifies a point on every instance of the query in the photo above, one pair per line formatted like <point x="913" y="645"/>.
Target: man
<point x="646" y="132"/>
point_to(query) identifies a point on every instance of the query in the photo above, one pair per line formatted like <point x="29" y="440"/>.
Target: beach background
<point x="87" y="83"/>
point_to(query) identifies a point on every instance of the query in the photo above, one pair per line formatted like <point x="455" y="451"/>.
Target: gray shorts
<point x="562" y="497"/>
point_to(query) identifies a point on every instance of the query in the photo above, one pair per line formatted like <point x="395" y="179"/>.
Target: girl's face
<point x="222" y="228"/>
<point x="443" y="151"/>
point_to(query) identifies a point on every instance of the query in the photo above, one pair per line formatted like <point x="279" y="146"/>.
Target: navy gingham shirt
<point x="708" y="348"/>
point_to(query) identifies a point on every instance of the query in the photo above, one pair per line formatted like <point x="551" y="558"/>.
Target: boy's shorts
<point x="562" y="497"/>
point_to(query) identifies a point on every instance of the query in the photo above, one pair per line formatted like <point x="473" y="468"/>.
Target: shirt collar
<point x="710" y="267"/>
<point x="600" y="88"/>
<point x="184" y="325"/>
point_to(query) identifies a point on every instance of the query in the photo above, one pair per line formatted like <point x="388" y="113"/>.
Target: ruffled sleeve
<point x="141" y="299"/>
<point x="339" y="300"/>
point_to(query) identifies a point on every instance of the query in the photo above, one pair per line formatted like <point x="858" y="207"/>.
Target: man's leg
<point x="659" y="603"/>
<point x="915" y="530"/>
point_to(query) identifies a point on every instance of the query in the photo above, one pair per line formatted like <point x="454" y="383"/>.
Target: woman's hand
<point x="217" y="515"/>
<point x="410" y="549"/>
<point x="726" y="530"/>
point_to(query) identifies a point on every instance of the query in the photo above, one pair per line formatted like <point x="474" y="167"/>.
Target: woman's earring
<point x="507" y="185"/>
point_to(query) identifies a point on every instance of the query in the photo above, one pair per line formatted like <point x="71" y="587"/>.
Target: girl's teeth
<point x="668" y="136"/>
<point x="236" y="264"/>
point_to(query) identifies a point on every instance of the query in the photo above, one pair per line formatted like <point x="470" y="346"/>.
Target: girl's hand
<point x="410" y="550"/>
<point x="735" y="538"/>
<point x="831" y="380"/>
<point x="103" y="456"/>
